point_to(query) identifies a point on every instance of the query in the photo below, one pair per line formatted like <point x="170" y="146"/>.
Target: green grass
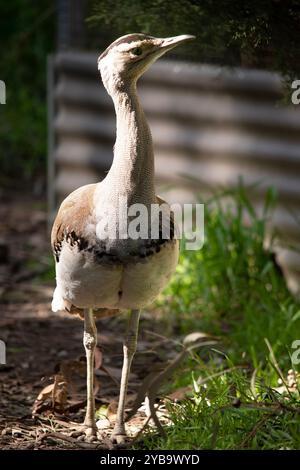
<point x="234" y="289"/>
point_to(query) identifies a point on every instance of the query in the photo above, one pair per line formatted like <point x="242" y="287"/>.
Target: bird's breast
<point x="94" y="278"/>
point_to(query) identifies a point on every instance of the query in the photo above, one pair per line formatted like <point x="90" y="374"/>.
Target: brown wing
<point x="70" y="224"/>
<point x="72" y="218"/>
<point x="172" y="218"/>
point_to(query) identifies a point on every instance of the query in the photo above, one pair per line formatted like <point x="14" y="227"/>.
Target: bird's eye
<point x="137" y="51"/>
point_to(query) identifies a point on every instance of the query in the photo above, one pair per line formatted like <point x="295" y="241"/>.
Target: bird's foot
<point x="119" y="436"/>
<point x="119" y="439"/>
<point x="85" y="432"/>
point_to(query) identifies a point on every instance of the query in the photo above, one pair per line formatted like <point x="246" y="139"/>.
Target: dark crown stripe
<point x="125" y="40"/>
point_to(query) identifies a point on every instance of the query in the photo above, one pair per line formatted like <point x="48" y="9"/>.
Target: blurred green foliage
<point x="261" y="33"/>
<point x="26" y="37"/>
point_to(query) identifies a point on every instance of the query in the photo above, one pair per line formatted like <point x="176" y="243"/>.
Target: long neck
<point x="132" y="172"/>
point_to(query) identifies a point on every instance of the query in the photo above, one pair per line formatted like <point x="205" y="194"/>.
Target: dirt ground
<point x="44" y="350"/>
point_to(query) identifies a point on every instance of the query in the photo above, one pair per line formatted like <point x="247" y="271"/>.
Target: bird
<point x="100" y="269"/>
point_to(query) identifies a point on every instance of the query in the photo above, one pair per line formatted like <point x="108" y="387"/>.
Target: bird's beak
<point x="168" y="43"/>
<point x="160" y="47"/>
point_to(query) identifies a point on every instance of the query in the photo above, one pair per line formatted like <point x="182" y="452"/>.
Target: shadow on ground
<point x="43" y="348"/>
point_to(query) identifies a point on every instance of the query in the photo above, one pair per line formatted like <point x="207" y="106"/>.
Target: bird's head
<point x="127" y="58"/>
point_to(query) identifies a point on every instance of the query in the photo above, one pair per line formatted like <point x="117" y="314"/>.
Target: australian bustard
<point x="96" y="273"/>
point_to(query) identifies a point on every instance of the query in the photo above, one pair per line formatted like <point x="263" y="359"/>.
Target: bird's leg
<point x="129" y="348"/>
<point x="89" y="342"/>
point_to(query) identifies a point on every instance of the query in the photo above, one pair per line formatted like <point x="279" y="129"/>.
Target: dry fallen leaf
<point x="53" y="396"/>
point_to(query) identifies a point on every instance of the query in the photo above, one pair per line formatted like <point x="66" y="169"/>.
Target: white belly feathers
<point x="87" y="284"/>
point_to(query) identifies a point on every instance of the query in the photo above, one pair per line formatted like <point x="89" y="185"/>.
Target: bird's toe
<point x="119" y="439"/>
<point x="84" y="433"/>
<point x="119" y="436"/>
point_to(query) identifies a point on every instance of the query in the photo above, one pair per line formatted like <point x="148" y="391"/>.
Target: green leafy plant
<point x="244" y="393"/>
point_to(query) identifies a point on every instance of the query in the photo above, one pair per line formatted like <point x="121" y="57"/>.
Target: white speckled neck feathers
<point x="132" y="172"/>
